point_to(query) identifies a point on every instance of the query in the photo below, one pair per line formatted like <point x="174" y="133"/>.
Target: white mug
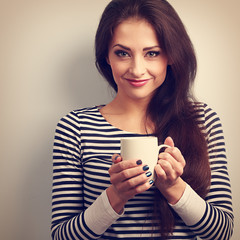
<point x="142" y="148"/>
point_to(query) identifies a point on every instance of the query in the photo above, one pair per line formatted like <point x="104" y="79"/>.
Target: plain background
<point x="47" y="69"/>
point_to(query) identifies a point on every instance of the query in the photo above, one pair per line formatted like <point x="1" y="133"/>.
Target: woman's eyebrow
<point x="124" y="47"/>
<point x="150" y="48"/>
<point x="129" y="49"/>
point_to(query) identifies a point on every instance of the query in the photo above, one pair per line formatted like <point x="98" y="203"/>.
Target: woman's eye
<point x="121" y="53"/>
<point x="153" y="54"/>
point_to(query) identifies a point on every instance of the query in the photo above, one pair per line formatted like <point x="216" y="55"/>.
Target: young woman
<point x="144" y="52"/>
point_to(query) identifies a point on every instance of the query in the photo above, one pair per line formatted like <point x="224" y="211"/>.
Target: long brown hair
<point x="172" y="107"/>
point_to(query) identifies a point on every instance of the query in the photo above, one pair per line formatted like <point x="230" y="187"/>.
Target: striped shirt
<point x="83" y="146"/>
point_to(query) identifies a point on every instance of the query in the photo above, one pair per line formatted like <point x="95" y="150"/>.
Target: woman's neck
<point x="129" y="116"/>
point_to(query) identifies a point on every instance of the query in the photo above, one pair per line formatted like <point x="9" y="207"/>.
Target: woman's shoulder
<point x="84" y="111"/>
<point x="206" y="117"/>
<point x="203" y="110"/>
<point x="75" y="117"/>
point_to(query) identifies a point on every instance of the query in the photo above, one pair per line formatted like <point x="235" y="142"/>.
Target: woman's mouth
<point x="138" y="83"/>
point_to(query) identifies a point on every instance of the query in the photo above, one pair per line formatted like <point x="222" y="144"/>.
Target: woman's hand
<point x="128" y="178"/>
<point x="168" y="171"/>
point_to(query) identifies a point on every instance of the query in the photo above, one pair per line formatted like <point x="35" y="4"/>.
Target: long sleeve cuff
<point x="100" y="215"/>
<point x="190" y="207"/>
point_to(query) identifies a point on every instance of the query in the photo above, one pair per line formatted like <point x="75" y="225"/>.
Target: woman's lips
<point x="138" y="83"/>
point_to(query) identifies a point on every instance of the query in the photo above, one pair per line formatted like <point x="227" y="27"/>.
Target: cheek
<point x="118" y="70"/>
<point x="159" y="71"/>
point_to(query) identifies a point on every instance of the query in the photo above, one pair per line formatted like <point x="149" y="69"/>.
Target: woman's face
<point x="137" y="61"/>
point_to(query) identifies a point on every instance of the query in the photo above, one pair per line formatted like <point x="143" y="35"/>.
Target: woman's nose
<point x="137" y="68"/>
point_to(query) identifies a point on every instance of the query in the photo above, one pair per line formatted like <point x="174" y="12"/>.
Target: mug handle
<point x="163" y="146"/>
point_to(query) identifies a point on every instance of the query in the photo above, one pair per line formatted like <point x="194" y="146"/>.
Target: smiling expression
<point x="137" y="61"/>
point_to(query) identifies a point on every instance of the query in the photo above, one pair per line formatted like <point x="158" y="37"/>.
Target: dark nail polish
<point x="148" y="174"/>
<point x="145" y="168"/>
<point x="151" y="182"/>
<point x="139" y="162"/>
<point x="116" y="157"/>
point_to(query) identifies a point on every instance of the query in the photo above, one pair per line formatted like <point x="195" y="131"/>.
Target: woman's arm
<point x="70" y="219"/>
<point x="212" y="217"/>
<point x="217" y="220"/>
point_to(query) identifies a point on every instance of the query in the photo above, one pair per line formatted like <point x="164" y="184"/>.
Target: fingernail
<point x="148" y="174"/>
<point x="116" y="157"/>
<point x="145" y="168"/>
<point x="151" y="182"/>
<point x="139" y="162"/>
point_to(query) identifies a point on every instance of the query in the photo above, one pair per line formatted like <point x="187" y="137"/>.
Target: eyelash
<point x="123" y="54"/>
<point x="153" y="53"/>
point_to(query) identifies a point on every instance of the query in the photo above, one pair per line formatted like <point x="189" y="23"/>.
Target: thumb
<point x="169" y="141"/>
